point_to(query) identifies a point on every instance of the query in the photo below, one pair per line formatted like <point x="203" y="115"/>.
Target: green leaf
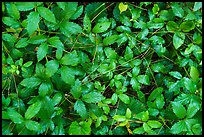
<point x="143" y="79"/>
<point x="128" y="113"/>
<point x="160" y="101"/>
<point x="87" y="24"/>
<point x="193" y="108"/>
<point x="42" y="51"/>
<point x="153" y="112"/>
<point x="78" y="13"/>
<point x="33" y="20"/>
<point x="57" y="98"/>
<point x="62" y="5"/>
<point x="110" y="40"/>
<point x="12" y="10"/>
<point x="177" y="9"/>
<point x="194" y="73"/>
<point x="70" y="59"/>
<point x="139" y="130"/>
<point x="32" y="125"/>
<point x="30" y="82"/>
<point x="190" y="85"/>
<point x="69" y="28"/>
<point x="142" y="35"/>
<point x="176" y="74"/>
<point x="10" y="22"/>
<point x="114" y="98"/>
<point x="141" y="96"/>
<point x="172" y="26"/>
<point x="32" y="110"/>
<point x="144" y="116"/>
<point x="110" y="53"/>
<point x="15" y="116"/>
<point x="28" y="64"/>
<point x="179" y="110"/>
<point x="128" y="53"/>
<point x="187" y="26"/>
<point x="51" y="67"/>
<point x="155" y="93"/>
<point x="55" y="41"/>
<point x="197" y="129"/>
<point x="46" y="14"/>
<point x="178" y="39"/>
<point x="82" y="128"/>
<point x="67" y="75"/>
<point x="22" y="43"/>
<point x="197" y="6"/>
<point x="122" y="7"/>
<point x="154" y="124"/>
<point x="146" y="127"/>
<point x="119" y="118"/>
<point x="178" y="127"/>
<point x="45" y="89"/>
<point x="25" y="6"/>
<point x="135" y="84"/>
<point x="158" y="67"/>
<point x="37" y="39"/>
<point x="135" y="71"/>
<point x="80" y="108"/>
<point x="69" y="10"/>
<point x="92" y="97"/>
<point x="76" y="89"/>
<point x="101" y="27"/>
<point x="124" y="98"/>
<point x="155" y="9"/>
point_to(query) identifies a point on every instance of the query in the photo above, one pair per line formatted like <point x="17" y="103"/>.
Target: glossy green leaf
<point x="61" y="5"/>
<point x="37" y="39"/>
<point x="46" y="14"/>
<point x="193" y="108"/>
<point x="32" y="125"/>
<point x="78" y="13"/>
<point x="176" y="74"/>
<point x="76" y="89"/>
<point x="30" y="82"/>
<point x="179" y="110"/>
<point x="178" y="127"/>
<point x="160" y="102"/>
<point x="101" y="27"/>
<point x="114" y="98"/>
<point x="12" y="10"/>
<point x="158" y="67"/>
<point x="153" y="111"/>
<point x="135" y="84"/>
<point x="70" y="59"/>
<point x="187" y="26"/>
<point x="69" y="28"/>
<point x="124" y="98"/>
<point x="144" y="116"/>
<point x="128" y="113"/>
<point x="10" y="22"/>
<point x="33" y="20"/>
<point x="172" y="26"/>
<point x="110" y="40"/>
<point x="57" y="98"/>
<point x="146" y="127"/>
<point x="110" y="53"/>
<point x="122" y="7"/>
<point x="194" y="73"/>
<point x="128" y="53"/>
<point x="80" y="108"/>
<point x="139" y="130"/>
<point x="155" y="9"/>
<point x="177" y="9"/>
<point x="143" y="79"/>
<point x="82" y="128"/>
<point x="33" y="110"/>
<point x="42" y="51"/>
<point x="55" y="41"/>
<point x="197" y="6"/>
<point x="178" y="39"/>
<point x="15" y="116"/>
<point x="190" y="84"/>
<point x="119" y="118"/>
<point x="154" y="124"/>
<point x="155" y="93"/>
<point x="87" y="24"/>
<point x="22" y="43"/>
<point x="25" y="6"/>
<point x="51" y="67"/>
<point x="135" y="71"/>
<point x="92" y="97"/>
<point x="44" y="89"/>
<point x="67" y="75"/>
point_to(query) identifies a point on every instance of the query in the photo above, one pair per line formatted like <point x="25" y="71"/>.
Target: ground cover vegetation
<point x="101" y="68"/>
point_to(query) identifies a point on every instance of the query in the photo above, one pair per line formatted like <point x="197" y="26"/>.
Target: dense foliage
<point x="101" y="68"/>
